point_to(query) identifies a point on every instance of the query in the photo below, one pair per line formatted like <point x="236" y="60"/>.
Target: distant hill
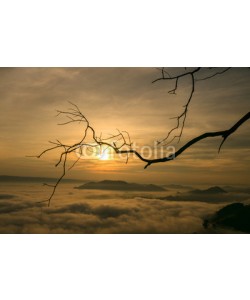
<point x="211" y="190"/>
<point x="6" y="178"/>
<point x="213" y="194"/>
<point x="238" y="189"/>
<point x="119" y="186"/>
<point x="6" y="196"/>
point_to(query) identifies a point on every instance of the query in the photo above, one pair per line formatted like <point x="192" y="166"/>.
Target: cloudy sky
<point x="124" y="99"/>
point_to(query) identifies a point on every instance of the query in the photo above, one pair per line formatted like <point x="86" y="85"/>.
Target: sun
<point x="104" y="155"/>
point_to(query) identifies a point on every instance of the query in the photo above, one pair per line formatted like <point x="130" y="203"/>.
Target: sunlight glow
<point x="104" y="155"/>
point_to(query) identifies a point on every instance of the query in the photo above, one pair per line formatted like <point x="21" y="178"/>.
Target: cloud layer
<point x="74" y="211"/>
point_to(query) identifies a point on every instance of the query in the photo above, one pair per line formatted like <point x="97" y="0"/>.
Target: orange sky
<point x="123" y="98"/>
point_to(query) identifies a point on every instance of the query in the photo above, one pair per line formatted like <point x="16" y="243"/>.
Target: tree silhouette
<point x="121" y="142"/>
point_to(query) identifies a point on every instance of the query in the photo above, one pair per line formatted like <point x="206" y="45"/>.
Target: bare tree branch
<point x="224" y="134"/>
<point x="118" y="142"/>
<point x="181" y="118"/>
<point x="213" y="75"/>
<point x="122" y="143"/>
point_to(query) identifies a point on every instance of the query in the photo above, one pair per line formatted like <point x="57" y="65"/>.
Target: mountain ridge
<point x="117" y="185"/>
<point x="9" y="178"/>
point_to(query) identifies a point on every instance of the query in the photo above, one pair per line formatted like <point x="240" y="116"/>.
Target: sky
<point x="124" y="99"/>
